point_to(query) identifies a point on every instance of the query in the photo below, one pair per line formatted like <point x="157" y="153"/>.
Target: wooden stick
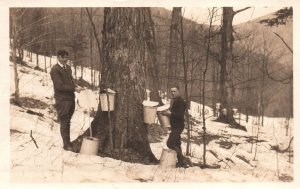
<point x="33" y="139"/>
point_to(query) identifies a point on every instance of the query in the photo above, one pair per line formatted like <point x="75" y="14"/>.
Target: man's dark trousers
<point x="174" y="142"/>
<point x="65" y="110"/>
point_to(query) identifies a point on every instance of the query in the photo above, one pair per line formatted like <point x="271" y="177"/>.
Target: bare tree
<point x="226" y="87"/>
<point x="91" y="46"/>
<point x="208" y="41"/>
<point x="14" y="45"/>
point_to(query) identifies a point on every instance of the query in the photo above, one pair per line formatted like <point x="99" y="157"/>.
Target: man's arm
<point x="58" y="84"/>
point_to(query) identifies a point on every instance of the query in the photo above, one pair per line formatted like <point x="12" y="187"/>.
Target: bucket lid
<point x="170" y="150"/>
<point x="150" y="103"/>
<point x="110" y="91"/>
<point x="91" y="138"/>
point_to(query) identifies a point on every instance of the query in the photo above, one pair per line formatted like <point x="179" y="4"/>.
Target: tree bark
<point x="91" y="48"/>
<point x="203" y="85"/>
<point x="14" y="58"/>
<point x="153" y="81"/>
<point x="123" y="70"/>
<point x="226" y="52"/>
<point x="37" y="60"/>
<point x="185" y="70"/>
<point x="226" y="62"/>
<point x="174" y="54"/>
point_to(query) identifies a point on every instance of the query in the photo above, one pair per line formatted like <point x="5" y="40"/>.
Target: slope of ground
<point x="240" y="157"/>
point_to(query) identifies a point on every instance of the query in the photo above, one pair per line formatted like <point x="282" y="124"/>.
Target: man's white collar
<point x="61" y="65"/>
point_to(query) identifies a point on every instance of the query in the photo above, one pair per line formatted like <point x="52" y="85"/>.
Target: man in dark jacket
<point x="64" y="88"/>
<point x="176" y="114"/>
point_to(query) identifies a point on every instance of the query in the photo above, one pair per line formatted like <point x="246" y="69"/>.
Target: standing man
<point x="176" y="114"/>
<point x="64" y="88"/>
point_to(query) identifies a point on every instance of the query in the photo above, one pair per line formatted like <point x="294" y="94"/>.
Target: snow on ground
<point x="232" y="149"/>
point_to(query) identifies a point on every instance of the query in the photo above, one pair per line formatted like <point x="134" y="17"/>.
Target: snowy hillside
<point x="242" y="156"/>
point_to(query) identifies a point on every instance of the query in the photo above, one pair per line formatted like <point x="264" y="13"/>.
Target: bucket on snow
<point x="89" y="146"/>
<point x="149" y="114"/>
<point x="163" y="119"/>
<point x="104" y="103"/>
<point x="168" y="158"/>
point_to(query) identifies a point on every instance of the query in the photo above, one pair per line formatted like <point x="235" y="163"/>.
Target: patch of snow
<point x="50" y="163"/>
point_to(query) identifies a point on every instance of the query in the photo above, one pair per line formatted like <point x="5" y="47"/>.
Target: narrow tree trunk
<point x="37" y="60"/>
<point x="100" y="49"/>
<point x="17" y="93"/>
<point x="51" y="43"/>
<point x="75" y="64"/>
<point x="185" y="70"/>
<point x="265" y="59"/>
<point x="45" y="63"/>
<point x="94" y="79"/>
<point x="91" y="48"/>
<point x="81" y="70"/>
<point x="21" y="54"/>
<point x="153" y="81"/>
<point x="203" y="85"/>
<point x="81" y="40"/>
<point x="214" y="88"/>
<point x="14" y="56"/>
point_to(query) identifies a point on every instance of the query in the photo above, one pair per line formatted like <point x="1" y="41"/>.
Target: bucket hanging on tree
<point x="104" y="101"/>
<point x="164" y="120"/>
<point x="149" y="111"/>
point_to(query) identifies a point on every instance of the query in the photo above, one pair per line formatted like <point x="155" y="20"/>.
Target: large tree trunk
<point x="175" y="50"/>
<point x="123" y="70"/>
<point x="226" y="52"/>
<point x="226" y="61"/>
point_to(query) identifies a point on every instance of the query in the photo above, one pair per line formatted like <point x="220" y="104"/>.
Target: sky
<point x="200" y="14"/>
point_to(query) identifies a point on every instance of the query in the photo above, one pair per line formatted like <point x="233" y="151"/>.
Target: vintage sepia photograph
<point x="151" y="94"/>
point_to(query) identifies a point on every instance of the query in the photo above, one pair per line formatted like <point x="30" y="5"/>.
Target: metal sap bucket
<point x="168" y="158"/>
<point x="89" y="146"/>
<point x="149" y="114"/>
<point x="163" y="119"/>
<point x="104" y="103"/>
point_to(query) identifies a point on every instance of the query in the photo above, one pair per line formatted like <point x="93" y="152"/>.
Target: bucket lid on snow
<point x="150" y="103"/>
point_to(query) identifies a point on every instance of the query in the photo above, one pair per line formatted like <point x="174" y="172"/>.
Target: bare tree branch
<point x="33" y="139"/>
<point x="283" y="41"/>
<point x="238" y="11"/>
<point x="96" y="36"/>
